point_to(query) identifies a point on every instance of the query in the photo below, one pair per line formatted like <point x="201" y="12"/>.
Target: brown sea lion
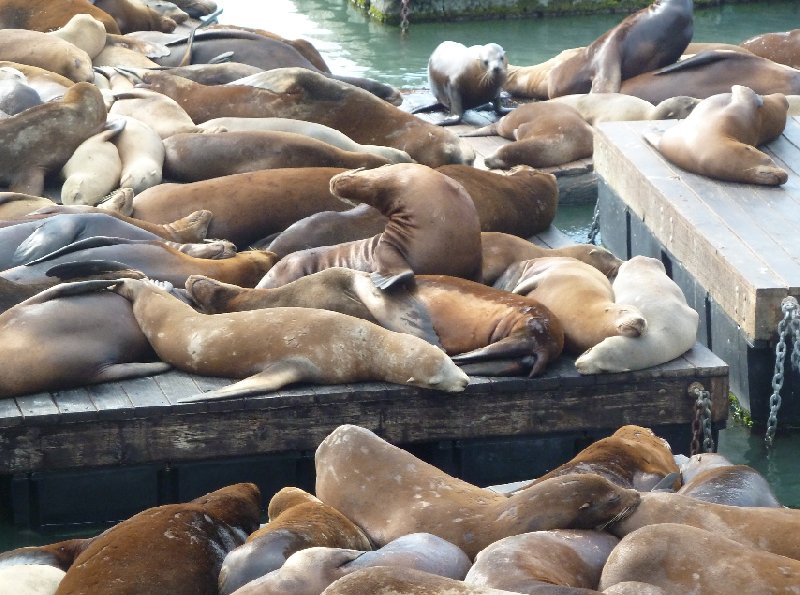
<point x="682" y="559"/>
<point x="305" y="95"/>
<point x="174" y="548"/>
<point x="271" y="352"/>
<point x="195" y="157"/>
<point x="646" y="40"/>
<point x="354" y="466"/>
<point x="272" y="199"/>
<point x="581" y="297"/>
<point x="781" y="47"/>
<point x="59" y="555"/>
<point x="46" y="15"/>
<point x="52" y="133"/>
<point x="14" y="205"/>
<point x="135" y="16"/>
<point x="532" y="81"/>
<point x="521" y="563"/>
<point x="418" y="238"/>
<point x="543" y="134"/>
<point x="769" y="529"/>
<point x="503" y="255"/>
<point x="719" y="138"/>
<point x="297" y="520"/>
<point x="46" y="51"/>
<point x="463" y="78"/>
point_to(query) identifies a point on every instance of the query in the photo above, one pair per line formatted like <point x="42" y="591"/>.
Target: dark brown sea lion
<point x="195" y="157"/>
<point x="719" y="138"/>
<point x="46" y="15"/>
<point x="272" y="199"/>
<point x="714" y="72"/>
<point x="305" y="95"/>
<point x="782" y="47"/>
<point x="463" y="78"/>
<point x="135" y="16"/>
<point x="354" y="467"/>
<point x="174" y="548"/>
<point x="52" y="133"/>
<point x="297" y="520"/>
<point x="646" y="40"/>
<point x="271" y="352"/>
<point x="419" y="236"/>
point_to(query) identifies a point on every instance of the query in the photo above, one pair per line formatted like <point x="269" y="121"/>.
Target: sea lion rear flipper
<point x="499" y="367"/>
<point x="92" y="242"/>
<point x="273" y="378"/>
<point x="49" y="236"/>
<point x="67" y="289"/>
<point x="87" y="268"/>
<point x="504" y="348"/>
<point x="131" y="370"/>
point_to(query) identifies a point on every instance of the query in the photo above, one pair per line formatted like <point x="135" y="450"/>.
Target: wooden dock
<point x="732" y="248"/>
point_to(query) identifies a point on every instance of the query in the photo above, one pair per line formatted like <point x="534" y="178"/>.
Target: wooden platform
<point x="733" y="246"/>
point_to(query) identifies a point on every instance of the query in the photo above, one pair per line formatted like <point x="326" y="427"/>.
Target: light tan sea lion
<point x="161" y="113"/>
<point x="682" y="559"/>
<point x="46" y="51"/>
<point x="297" y="520"/>
<point x="364" y="351"/>
<point x="642" y="284"/>
<point x="419" y="236"/>
<point x="195" y="157"/>
<point x="30" y="579"/>
<point x="781" y="47"/>
<point x="719" y="138"/>
<point x="354" y="466"/>
<point x="141" y="155"/>
<point x="14" y="205"/>
<point x="174" y="548"/>
<point x="93" y="170"/>
<point x="52" y="133"/>
<point x="463" y="78"/>
<point x="613" y="107"/>
<point x="49" y="85"/>
<point x="581" y="297"/>
<point x="532" y="81"/>
<point x="85" y="32"/>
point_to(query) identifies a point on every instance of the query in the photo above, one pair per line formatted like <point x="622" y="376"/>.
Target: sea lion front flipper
<point x="391" y="266"/>
<point x="49" y="236"/>
<point x="131" y="370"/>
<point x="608" y="66"/>
<point x="499" y="367"/>
<point x="89" y="268"/>
<point x="273" y="378"/>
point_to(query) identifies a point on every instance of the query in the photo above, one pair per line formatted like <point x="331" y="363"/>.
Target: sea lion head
<point x="493" y="60"/>
<point x="675" y="108"/>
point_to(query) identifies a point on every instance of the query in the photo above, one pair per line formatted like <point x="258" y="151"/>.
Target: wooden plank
<point x="111" y="400"/>
<point x="38" y="408"/>
<point x="75" y="404"/>
<point x="10" y="415"/>
<point x="146" y="396"/>
<point x="175" y="385"/>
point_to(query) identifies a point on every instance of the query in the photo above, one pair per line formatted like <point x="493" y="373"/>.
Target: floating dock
<point x="732" y="248"/>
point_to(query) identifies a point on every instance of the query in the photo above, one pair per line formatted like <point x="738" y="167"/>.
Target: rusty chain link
<point x="701" y="426"/>
<point x="405" y="10"/>
<point x="789" y="326"/>
<point x="595" y="228"/>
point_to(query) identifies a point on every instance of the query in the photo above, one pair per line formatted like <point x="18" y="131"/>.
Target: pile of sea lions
<point x="624" y="516"/>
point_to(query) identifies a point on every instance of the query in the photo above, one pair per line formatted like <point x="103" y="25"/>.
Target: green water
<point x="352" y="44"/>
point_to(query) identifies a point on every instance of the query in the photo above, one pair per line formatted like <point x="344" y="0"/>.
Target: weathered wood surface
<point x="739" y="241"/>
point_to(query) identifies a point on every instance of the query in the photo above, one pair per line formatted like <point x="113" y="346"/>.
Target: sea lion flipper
<point x="67" y="289"/>
<point x="85" y="268"/>
<point x="131" y="370"/>
<point x="391" y="267"/>
<point x="507" y="347"/>
<point x="608" y="70"/>
<point x="273" y="378"/>
<point x="49" y="236"/>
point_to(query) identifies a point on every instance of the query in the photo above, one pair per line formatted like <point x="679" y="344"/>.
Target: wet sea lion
<point x="364" y="351"/>
<point x="642" y="283"/>
<point x="354" y="466"/>
<point x="195" y="157"/>
<point x="46" y="51"/>
<point x="297" y="520"/>
<point x="719" y="138"/>
<point x="305" y="95"/>
<point x="174" y="548"/>
<point x="418" y="237"/>
<point x="682" y="559"/>
<point x="52" y="133"/>
<point x="613" y="107"/>
<point x="781" y="47"/>
<point x="463" y="78"/>
<point x="93" y="170"/>
<point x="581" y="297"/>
<point x="520" y="563"/>
<point x="713" y="478"/>
<point x="646" y="40"/>
<point x="273" y="200"/>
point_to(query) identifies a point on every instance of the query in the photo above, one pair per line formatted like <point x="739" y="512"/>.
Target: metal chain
<point x="785" y="327"/>
<point x="701" y="426"/>
<point x="595" y="228"/>
<point x="405" y="10"/>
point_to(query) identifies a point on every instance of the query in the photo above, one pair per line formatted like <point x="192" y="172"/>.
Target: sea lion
<point x="195" y="157"/>
<point x="463" y="78"/>
<point x="60" y="554"/>
<point x="711" y="73"/>
<point x="46" y="15"/>
<point x="168" y="9"/>
<point x="782" y="47"/>
<point x="613" y="107"/>
<point x="311" y="570"/>
<point x="543" y="134"/>
<point x="30" y="579"/>
<point x="532" y="81"/>
<point x="642" y="283"/>
<point x="297" y="520"/>
<point x="46" y="51"/>
<point x="16" y="95"/>
<point x="52" y="133"/>
<point x="311" y="129"/>
<point x="306" y="95"/>
<point x="135" y="16"/>
<point x="354" y="466"/>
<point x="646" y="40"/>
<point x="85" y="32"/>
<point x="174" y="548"/>
<point x="520" y="563"/>
<point x="159" y="112"/>
<point x="14" y="205"/>
<point x="581" y="297"/>
<point x="94" y="168"/>
<point x="719" y="138"/>
<point x="632" y="457"/>
<point x="504" y="255"/>
<point x="418" y="235"/>
<point x="141" y="155"/>
<point x="272" y="199"/>
<point x="207" y="74"/>
<point x="364" y="351"/>
<point x="764" y="528"/>
<point x="48" y="85"/>
<point x="682" y="559"/>
<point x="41" y="333"/>
<point x="713" y="478"/>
